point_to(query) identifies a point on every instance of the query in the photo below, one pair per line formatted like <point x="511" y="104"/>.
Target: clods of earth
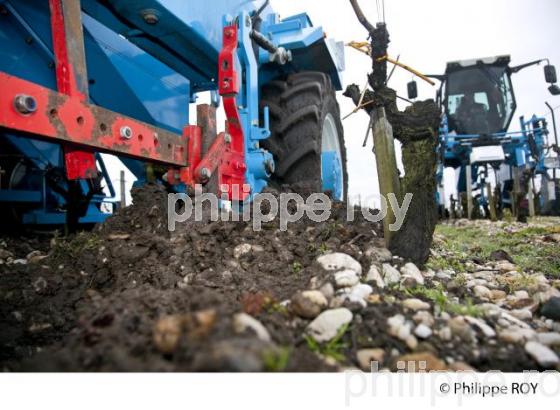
<point x="321" y="296"/>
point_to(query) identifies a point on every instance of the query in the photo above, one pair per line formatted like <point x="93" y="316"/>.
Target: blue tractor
<point x="83" y="78"/>
<point x="478" y="104"/>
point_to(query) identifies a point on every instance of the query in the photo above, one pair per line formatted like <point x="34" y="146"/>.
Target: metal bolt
<point x="205" y="173"/>
<point x="126" y="132"/>
<point x="25" y="104"/>
<point x="227" y="138"/>
<point x="269" y="166"/>
<point x="150" y="16"/>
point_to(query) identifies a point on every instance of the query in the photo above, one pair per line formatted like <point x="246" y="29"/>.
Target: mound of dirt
<point x="94" y="301"/>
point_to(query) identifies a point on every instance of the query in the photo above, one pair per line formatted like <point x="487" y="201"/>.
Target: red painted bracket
<point x="227" y="153"/>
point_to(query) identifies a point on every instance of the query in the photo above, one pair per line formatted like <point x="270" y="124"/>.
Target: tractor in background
<point x="478" y="104"/>
<point x="83" y="78"/>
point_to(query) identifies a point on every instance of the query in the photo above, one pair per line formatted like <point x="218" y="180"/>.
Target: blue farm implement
<point x="83" y="78"/>
<point x="479" y="104"/>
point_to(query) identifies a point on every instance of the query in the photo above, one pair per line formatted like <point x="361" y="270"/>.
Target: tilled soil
<point x="92" y="302"/>
<point x="218" y="296"/>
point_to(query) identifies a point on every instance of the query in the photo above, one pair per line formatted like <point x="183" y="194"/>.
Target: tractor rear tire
<point x="304" y="123"/>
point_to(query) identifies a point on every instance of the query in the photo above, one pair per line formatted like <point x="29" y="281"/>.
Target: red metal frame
<point x="227" y="153"/>
<point x="82" y="128"/>
<point x="71" y="75"/>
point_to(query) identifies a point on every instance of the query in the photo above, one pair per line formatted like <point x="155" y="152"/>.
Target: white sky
<point x="427" y="34"/>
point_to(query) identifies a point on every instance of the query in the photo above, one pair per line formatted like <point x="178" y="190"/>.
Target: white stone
<point x="346" y="279"/>
<point x="360" y="292"/>
<point x="380" y="255"/>
<point x="410" y="270"/>
<point x="326" y="326"/>
<point x="516" y="335"/>
<point x="242" y="249"/>
<point x="482" y="325"/>
<point x="542" y="354"/>
<point x="373" y="275"/>
<point x="390" y="274"/>
<point x="445" y="334"/>
<point x="339" y="261"/>
<point x="416" y="304"/>
<point x="316" y="297"/>
<point x="549" y="339"/>
<point x="424" y="317"/>
<point x="482" y="292"/>
<point x="423" y="331"/>
<point x="327" y="290"/>
<point x="242" y="322"/>
<point x="522" y="314"/>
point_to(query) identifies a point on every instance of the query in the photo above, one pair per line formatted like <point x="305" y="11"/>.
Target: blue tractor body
<point x="479" y="104"/>
<point x="148" y="60"/>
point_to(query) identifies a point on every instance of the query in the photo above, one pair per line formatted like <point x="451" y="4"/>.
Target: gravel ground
<point x="328" y="296"/>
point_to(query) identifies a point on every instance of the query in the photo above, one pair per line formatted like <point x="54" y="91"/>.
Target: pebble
<point x="308" y="304"/>
<point x="551" y="309"/>
<point x="339" y="261"/>
<point x="424" y="317"/>
<point x="360" y="292"/>
<point x="522" y="314"/>
<point x="549" y="339"/>
<point x="365" y="357"/>
<point x="423" y="331"/>
<point x="542" y="354"/>
<point x="40" y="284"/>
<point x="241" y="250"/>
<point x="346" y="278"/>
<point x="482" y="292"/>
<point x="398" y="327"/>
<point x="416" y="304"/>
<point x="482" y="325"/>
<point x="390" y="274"/>
<point x="379" y="255"/>
<point x="461" y="367"/>
<point x="5" y="254"/>
<point x="326" y="326"/>
<point x="167" y="333"/>
<point x="419" y="362"/>
<point x="505" y="266"/>
<point x="374" y="276"/>
<point x="516" y="335"/>
<point x="461" y="328"/>
<point x="445" y="334"/>
<point x="243" y="322"/>
<point x="496" y="295"/>
<point x="327" y="290"/>
<point x="410" y="270"/>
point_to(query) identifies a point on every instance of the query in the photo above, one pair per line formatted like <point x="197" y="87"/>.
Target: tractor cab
<point x="479" y="98"/>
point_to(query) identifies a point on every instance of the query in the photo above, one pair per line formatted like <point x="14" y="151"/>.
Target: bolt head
<point x="150" y="16"/>
<point x="126" y="132"/>
<point x="25" y="104"/>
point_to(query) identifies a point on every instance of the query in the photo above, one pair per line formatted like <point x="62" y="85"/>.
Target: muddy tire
<point x="307" y="139"/>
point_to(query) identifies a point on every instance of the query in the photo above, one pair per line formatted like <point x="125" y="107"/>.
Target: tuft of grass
<point x="468" y="309"/>
<point x="75" y="247"/>
<point x="467" y="242"/>
<point x="296" y="267"/>
<point x="436" y="295"/>
<point x="276" y="360"/>
<point x="439" y="298"/>
<point x="334" y="348"/>
<point x="516" y="283"/>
